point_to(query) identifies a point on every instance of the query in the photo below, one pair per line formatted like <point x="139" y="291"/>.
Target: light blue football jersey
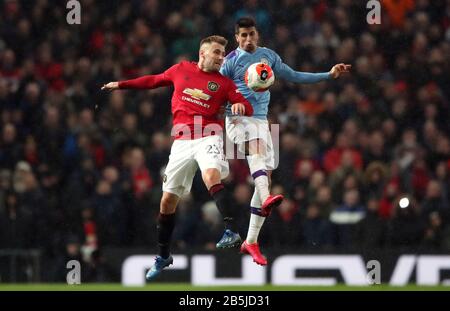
<point x="237" y="62"/>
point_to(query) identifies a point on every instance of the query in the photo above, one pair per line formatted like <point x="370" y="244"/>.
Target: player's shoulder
<point x="183" y="66"/>
<point x="266" y="50"/>
<point x="222" y="77"/>
<point x="224" y="80"/>
<point x="186" y="64"/>
<point x="232" y="55"/>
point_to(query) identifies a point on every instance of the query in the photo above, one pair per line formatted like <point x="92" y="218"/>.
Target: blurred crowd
<point x="81" y="170"/>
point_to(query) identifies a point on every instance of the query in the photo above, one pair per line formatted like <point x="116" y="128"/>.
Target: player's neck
<point x="250" y="52"/>
<point x="202" y="66"/>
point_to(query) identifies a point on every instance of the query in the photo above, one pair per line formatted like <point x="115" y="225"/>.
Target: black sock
<point x="164" y="228"/>
<point x="222" y="198"/>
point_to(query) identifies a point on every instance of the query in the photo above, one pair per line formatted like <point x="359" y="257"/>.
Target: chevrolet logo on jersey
<point x="197" y="94"/>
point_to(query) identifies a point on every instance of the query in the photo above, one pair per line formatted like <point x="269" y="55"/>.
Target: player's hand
<point x="238" y="109"/>
<point x="111" y="86"/>
<point x="338" y="69"/>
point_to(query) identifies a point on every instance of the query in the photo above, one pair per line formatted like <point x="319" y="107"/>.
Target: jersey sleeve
<point x="234" y="96"/>
<point x="150" y="81"/>
<point x="285" y="72"/>
<point x="227" y="66"/>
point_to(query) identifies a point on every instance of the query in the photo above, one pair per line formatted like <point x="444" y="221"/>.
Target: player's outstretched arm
<point x="338" y="69"/>
<point x="287" y="73"/>
<point x="111" y="86"/>
<point x="142" y="83"/>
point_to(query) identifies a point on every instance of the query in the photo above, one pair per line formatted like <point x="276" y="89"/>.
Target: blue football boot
<point x="229" y="239"/>
<point x="160" y="264"/>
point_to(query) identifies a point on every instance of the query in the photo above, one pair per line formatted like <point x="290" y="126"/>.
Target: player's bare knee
<point x="167" y="207"/>
<point x="211" y="177"/>
<point x="168" y="203"/>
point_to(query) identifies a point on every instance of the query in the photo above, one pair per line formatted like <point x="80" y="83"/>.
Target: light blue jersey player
<point x="254" y="131"/>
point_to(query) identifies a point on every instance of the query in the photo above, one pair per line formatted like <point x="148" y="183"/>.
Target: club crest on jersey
<point x="164" y="178"/>
<point x="196" y="93"/>
<point x="264" y="61"/>
<point x="213" y="86"/>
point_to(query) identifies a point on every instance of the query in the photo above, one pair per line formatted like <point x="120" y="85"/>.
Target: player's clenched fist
<point x="238" y="109"/>
<point x="338" y="69"/>
<point x="111" y="86"/>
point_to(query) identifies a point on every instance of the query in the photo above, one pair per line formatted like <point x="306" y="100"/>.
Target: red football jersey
<point x="196" y="93"/>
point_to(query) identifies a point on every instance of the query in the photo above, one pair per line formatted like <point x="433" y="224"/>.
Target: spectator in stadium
<point x="345" y="218"/>
<point x="435" y="201"/>
<point x="370" y="232"/>
<point x="433" y="237"/>
<point x="406" y="228"/>
<point x="285" y="224"/>
<point x="316" y="229"/>
<point x="16" y="224"/>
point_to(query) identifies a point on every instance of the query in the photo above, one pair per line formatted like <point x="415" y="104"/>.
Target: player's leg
<point x="256" y="217"/>
<point x="260" y="159"/>
<point x="257" y="159"/>
<point x="217" y="190"/>
<point x="252" y="136"/>
<point x="250" y="245"/>
<point x="262" y="202"/>
<point x="177" y="181"/>
<point x="211" y="160"/>
<point x="166" y="222"/>
<point x="164" y="229"/>
<point x="258" y="170"/>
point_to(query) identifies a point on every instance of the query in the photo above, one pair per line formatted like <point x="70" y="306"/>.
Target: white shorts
<point x="241" y="129"/>
<point x="188" y="155"/>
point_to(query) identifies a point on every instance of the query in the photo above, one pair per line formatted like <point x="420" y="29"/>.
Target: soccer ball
<point x="259" y="77"/>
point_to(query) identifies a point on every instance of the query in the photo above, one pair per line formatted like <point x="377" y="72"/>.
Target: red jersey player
<point x="199" y="93"/>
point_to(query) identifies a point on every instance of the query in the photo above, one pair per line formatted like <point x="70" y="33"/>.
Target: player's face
<point x="247" y="38"/>
<point x="213" y="54"/>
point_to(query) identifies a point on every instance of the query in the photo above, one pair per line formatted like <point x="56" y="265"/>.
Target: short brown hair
<point x="218" y="39"/>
